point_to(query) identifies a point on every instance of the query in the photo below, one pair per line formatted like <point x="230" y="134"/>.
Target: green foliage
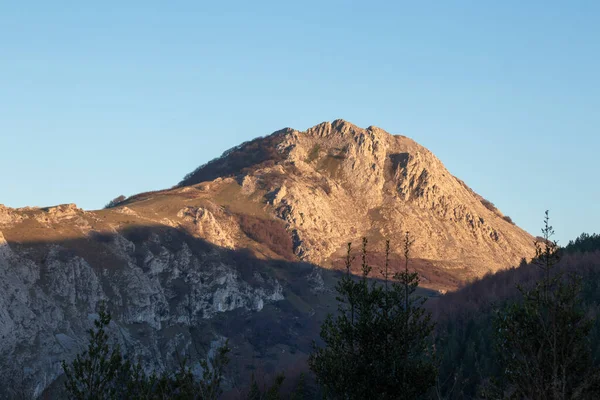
<point x="378" y="345"/>
<point x="270" y="393"/>
<point x="101" y="372"/>
<point x="115" y="202"/>
<point x="584" y="243"/>
<point x="95" y="374"/>
<point x="465" y="319"/>
<point x="302" y="391"/>
<point x="542" y="341"/>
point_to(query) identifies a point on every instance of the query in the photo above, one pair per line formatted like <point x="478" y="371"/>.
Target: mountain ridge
<point x="255" y="235"/>
<point x="386" y="184"/>
<point x="364" y="163"/>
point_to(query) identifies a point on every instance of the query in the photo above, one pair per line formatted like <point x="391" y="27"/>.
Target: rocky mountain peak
<point x="335" y="140"/>
<point x="263" y="224"/>
<point x="336" y="182"/>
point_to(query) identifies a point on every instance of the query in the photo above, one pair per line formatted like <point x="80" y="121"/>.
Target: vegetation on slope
<point x="526" y="306"/>
<point x="528" y="332"/>
<point x="257" y="153"/>
<point x="378" y="345"/>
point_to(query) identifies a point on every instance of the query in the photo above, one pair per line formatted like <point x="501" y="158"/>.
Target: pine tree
<point x="413" y="337"/>
<point x="270" y="393"/>
<point x="94" y="374"/>
<point x="302" y="392"/>
<point x="213" y="371"/>
<point x="377" y="347"/>
<point x="542" y="341"/>
<point x="254" y="393"/>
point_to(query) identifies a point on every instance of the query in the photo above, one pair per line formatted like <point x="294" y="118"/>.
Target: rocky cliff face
<point x="336" y="183"/>
<point x="58" y="263"/>
<point x="243" y="248"/>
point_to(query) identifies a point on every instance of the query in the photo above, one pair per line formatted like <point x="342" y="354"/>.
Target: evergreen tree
<point x="270" y="393"/>
<point x="378" y="346"/>
<point x="95" y="373"/>
<point x="101" y="372"/>
<point x="542" y="341"/>
<point x="411" y="324"/>
<point x="254" y="393"/>
<point x="302" y="391"/>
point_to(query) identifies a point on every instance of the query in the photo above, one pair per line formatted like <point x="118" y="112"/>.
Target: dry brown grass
<point x="268" y="232"/>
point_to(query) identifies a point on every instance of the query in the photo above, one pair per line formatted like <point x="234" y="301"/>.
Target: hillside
<point x="245" y="247"/>
<point x="465" y="317"/>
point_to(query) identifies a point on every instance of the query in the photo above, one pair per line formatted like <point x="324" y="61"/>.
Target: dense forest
<point x="528" y="332"/>
<point x="464" y="331"/>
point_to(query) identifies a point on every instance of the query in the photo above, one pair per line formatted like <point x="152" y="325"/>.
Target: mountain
<point x="336" y="183"/>
<point x="245" y="247"/>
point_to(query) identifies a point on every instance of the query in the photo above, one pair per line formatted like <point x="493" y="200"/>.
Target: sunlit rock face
<point x="243" y="248"/>
<point x="336" y="183"/>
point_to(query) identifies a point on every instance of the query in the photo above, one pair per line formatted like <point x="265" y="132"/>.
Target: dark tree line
<point x="526" y="333"/>
<point x="542" y="340"/>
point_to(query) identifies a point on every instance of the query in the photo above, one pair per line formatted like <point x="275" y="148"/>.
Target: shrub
<point x="489" y="205"/>
<point x="508" y="219"/>
<point x="269" y="232"/>
<point x="115" y="202"/>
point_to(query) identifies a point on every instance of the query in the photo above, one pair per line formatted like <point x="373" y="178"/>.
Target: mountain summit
<point x="335" y="183"/>
<point x="245" y="247"/>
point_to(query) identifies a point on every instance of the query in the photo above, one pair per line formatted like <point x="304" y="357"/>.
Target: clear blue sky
<point x="99" y="99"/>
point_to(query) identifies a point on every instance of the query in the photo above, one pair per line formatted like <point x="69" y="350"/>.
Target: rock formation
<point x="244" y="248"/>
